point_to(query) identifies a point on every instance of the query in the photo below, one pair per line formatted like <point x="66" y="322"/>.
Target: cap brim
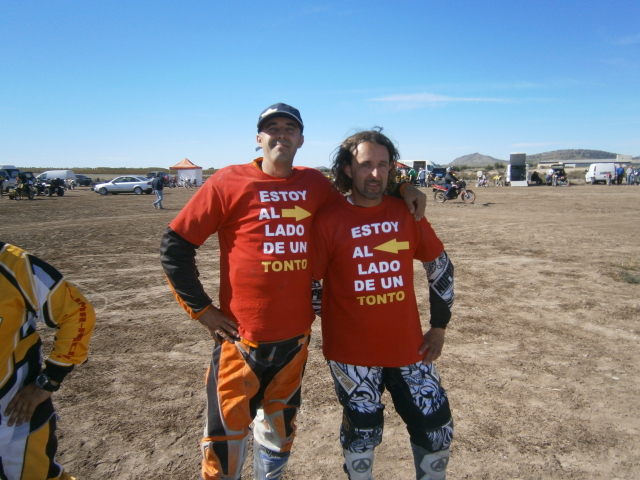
<point x="280" y="114"/>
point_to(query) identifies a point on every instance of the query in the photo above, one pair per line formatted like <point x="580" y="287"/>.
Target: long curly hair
<point x="345" y="153"/>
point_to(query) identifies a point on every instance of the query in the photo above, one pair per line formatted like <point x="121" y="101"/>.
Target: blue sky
<point x="89" y="83"/>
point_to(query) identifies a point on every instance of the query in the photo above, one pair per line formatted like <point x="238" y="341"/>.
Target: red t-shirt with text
<point x="264" y="228"/>
<point x="365" y="258"/>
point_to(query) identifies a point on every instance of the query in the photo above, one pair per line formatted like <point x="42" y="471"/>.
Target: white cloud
<point x="629" y="40"/>
<point x="417" y="100"/>
<point x="534" y="144"/>
<point x="315" y="9"/>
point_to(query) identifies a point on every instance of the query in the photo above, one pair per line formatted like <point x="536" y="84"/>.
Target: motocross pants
<point x="33" y="457"/>
<point x="252" y="382"/>
<point x="418" y="398"/>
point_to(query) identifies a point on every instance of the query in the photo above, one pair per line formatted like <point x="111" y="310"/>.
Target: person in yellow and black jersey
<point x="31" y="290"/>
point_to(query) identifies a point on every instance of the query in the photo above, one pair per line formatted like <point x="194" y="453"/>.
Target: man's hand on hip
<point x="24" y="403"/>
<point x="219" y="325"/>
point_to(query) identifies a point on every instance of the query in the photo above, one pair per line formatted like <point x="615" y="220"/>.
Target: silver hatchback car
<point x="128" y="184"/>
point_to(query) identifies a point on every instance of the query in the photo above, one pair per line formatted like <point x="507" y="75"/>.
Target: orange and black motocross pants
<point x="251" y="382"/>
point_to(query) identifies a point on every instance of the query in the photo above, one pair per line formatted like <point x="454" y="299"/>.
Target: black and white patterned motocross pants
<point x="417" y="396"/>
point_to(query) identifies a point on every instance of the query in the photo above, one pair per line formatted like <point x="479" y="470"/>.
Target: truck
<point x="428" y="165"/>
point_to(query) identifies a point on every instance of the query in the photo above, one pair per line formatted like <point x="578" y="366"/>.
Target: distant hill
<point x="570" y="155"/>
<point x="476" y="159"/>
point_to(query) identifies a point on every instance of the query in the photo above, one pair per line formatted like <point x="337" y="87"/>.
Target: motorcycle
<point x="482" y="182"/>
<point x="24" y="191"/>
<point x="440" y="193"/>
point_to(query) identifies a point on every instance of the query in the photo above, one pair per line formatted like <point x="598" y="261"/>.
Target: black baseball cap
<point x="280" y="110"/>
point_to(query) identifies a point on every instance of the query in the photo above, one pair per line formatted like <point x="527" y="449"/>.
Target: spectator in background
<point x="535" y="178"/>
<point x="412" y="176"/>
<point x="619" y="174"/>
<point x="158" y="185"/>
<point x="421" y="176"/>
<point x="550" y="173"/>
<point x="631" y="175"/>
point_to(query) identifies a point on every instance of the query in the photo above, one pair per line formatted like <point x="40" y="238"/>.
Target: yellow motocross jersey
<point x="31" y="290"/>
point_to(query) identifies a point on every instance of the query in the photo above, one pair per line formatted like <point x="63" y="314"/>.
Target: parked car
<point x="83" y="180"/>
<point x="439" y="172"/>
<point x="598" y="172"/>
<point x="153" y="174"/>
<point x="559" y="176"/>
<point x="128" y="184"/>
<point x="30" y="176"/>
<point x="165" y="177"/>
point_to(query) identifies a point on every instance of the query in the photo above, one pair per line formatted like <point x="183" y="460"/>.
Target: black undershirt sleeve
<point x="178" y="259"/>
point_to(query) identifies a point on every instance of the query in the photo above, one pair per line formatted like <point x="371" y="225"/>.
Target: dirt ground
<point x="541" y="362"/>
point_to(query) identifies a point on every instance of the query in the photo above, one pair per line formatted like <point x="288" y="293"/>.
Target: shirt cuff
<point x="56" y="372"/>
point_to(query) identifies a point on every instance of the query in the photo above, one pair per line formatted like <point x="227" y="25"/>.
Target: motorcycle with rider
<point x="451" y="188"/>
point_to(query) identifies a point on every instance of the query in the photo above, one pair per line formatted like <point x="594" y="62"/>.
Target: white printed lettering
<point x="374" y="228"/>
<point x="360" y="253"/>
<point x="380" y="267"/>
<point x="392" y="282"/>
<point x="282" y="196"/>
<point x="296" y="247"/>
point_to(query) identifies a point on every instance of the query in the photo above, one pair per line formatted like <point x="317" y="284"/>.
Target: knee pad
<point x="361" y="438"/>
<point x="430" y="465"/>
<point x="271" y="430"/>
<point x="359" y="466"/>
<point x="224" y="459"/>
<point x="267" y="464"/>
<point x="433" y="440"/>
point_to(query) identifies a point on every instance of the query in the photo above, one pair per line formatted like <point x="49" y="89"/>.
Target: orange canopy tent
<point x="187" y="170"/>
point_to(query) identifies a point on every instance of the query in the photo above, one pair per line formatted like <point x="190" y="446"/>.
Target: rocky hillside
<point x="570" y="155"/>
<point x="476" y="159"/>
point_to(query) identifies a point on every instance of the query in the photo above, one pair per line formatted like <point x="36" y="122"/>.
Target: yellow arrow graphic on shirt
<point x="393" y="246"/>
<point x="297" y="213"/>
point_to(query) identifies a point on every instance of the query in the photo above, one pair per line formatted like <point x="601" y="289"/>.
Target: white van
<point x="12" y="174"/>
<point x="51" y="174"/>
<point x="597" y="172"/>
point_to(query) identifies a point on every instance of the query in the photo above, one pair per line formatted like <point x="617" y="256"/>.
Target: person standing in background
<point x="421" y="176"/>
<point x="158" y="185"/>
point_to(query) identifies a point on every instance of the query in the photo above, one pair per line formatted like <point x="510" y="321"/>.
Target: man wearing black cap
<point x="262" y="213"/>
